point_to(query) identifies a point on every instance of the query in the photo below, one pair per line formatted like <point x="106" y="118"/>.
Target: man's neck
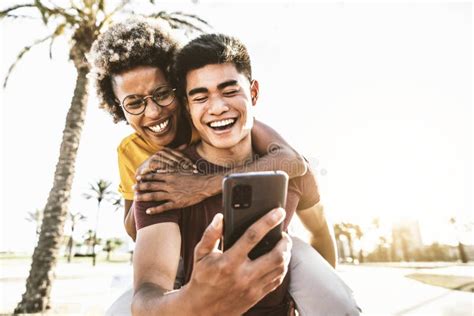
<point x="228" y="157"/>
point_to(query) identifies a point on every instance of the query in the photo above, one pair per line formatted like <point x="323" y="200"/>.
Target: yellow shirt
<point x="132" y="152"/>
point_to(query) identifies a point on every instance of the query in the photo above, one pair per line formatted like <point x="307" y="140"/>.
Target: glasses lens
<point x="134" y="104"/>
<point x="164" y="96"/>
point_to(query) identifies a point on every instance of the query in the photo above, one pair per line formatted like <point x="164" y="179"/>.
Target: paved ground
<point x="380" y="290"/>
<point x="79" y="288"/>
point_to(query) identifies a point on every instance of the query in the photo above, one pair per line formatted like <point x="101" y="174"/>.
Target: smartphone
<point x="246" y="198"/>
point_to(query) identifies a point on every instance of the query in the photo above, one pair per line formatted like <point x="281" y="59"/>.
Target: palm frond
<point x="119" y="7"/>
<point x="116" y="201"/>
<point x="101" y="5"/>
<point x="57" y="32"/>
<point x="179" y="21"/>
<point x="7" y="12"/>
<point x="25" y="50"/>
<point x="19" y="16"/>
<point x="192" y="16"/>
<point x="47" y="12"/>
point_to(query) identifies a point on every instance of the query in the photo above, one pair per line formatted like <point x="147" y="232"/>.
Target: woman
<point x="132" y="63"/>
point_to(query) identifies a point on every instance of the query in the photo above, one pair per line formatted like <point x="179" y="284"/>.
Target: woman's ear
<point x="254" y="91"/>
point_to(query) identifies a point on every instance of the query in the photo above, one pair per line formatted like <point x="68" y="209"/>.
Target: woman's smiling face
<point x="157" y="125"/>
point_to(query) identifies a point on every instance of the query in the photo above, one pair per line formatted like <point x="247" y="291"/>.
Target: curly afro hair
<point x="126" y="45"/>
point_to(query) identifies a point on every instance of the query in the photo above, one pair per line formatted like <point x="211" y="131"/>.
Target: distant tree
<point x="74" y="218"/>
<point x="359" y="234"/>
<point x="100" y="191"/>
<point x="111" y="245"/>
<point x="461" y="250"/>
<point x="338" y="233"/>
<point x="351" y="232"/>
<point x="89" y="239"/>
<point x="36" y="217"/>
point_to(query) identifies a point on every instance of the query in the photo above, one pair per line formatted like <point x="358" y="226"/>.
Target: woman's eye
<point x="134" y="104"/>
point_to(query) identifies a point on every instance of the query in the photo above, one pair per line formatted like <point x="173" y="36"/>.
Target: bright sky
<point x="377" y="96"/>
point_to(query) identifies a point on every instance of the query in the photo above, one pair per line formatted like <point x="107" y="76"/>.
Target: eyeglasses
<point x="135" y="104"/>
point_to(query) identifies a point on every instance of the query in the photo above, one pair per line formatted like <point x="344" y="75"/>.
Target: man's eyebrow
<point x="196" y="91"/>
<point x="225" y="84"/>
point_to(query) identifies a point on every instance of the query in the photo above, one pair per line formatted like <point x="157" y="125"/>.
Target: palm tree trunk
<point x="70" y="244"/>
<point x="462" y="253"/>
<point x="38" y="285"/>
<point x="94" y="242"/>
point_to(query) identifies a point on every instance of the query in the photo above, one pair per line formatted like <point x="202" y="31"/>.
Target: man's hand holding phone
<point x="230" y="283"/>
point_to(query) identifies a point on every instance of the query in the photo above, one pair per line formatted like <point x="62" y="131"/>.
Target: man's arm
<point x="322" y="240"/>
<point x="129" y="220"/>
<point x="155" y="261"/>
<point x="221" y="283"/>
<point x="183" y="188"/>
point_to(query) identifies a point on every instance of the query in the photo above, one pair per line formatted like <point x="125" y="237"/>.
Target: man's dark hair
<point x="211" y="49"/>
<point x="124" y="46"/>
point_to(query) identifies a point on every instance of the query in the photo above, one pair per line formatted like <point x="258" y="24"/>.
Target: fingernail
<point x="278" y="214"/>
<point x="134" y="187"/>
<point x="139" y="178"/>
<point x="148" y="211"/>
<point x="216" y="221"/>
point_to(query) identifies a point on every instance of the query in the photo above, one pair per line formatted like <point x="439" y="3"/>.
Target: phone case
<point x="269" y="191"/>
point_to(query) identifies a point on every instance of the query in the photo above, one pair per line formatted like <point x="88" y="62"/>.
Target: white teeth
<point x="222" y="123"/>
<point x="159" y="127"/>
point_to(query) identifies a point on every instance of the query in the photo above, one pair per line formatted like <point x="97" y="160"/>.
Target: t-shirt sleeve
<point x="307" y="188"/>
<point x="127" y="175"/>
<point x="142" y="219"/>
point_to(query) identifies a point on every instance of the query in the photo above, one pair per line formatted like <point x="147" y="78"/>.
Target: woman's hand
<point x="176" y="189"/>
<point x="168" y="160"/>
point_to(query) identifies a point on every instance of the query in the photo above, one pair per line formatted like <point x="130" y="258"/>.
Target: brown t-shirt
<point x="193" y="220"/>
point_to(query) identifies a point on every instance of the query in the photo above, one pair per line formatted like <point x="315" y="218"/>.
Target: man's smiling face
<point x="220" y="101"/>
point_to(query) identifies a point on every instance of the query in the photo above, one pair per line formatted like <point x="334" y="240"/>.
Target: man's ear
<point x="254" y="91"/>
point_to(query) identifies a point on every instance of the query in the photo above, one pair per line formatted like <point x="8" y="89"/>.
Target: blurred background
<point x="377" y="96"/>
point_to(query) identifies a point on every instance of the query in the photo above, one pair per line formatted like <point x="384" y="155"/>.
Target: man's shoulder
<point x="191" y="152"/>
<point x="306" y="188"/>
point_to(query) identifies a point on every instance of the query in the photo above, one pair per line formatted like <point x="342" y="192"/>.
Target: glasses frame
<point x="145" y="98"/>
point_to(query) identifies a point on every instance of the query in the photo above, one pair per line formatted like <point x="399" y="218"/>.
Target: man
<point x="214" y="75"/>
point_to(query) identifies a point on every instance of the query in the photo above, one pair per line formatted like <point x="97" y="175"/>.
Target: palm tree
<point x="112" y="244"/>
<point x="351" y="232"/>
<point x="74" y="218"/>
<point x="461" y="250"/>
<point x="359" y="234"/>
<point x="36" y="217"/>
<point x="81" y="21"/>
<point x="89" y="240"/>
<point x="100" y="191"/>
<point x="341" y="229"/>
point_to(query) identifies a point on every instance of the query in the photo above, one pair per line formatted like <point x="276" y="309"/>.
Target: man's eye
<point x="230" y="93"/>
<point x="200" y="99"/>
